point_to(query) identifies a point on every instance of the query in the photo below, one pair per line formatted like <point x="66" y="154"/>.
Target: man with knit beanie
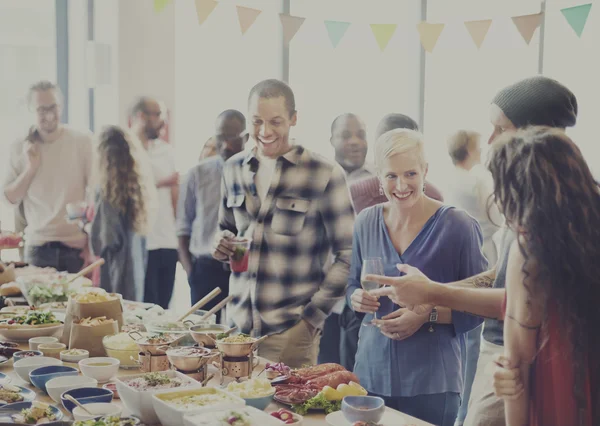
<point x="537" y="101"/>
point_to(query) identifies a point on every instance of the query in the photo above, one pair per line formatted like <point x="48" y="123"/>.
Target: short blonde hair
<point x="459" y="144"/>
<point x="399" y="141"/>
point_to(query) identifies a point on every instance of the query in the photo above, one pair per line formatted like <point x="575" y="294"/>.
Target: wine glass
<point x="371" y="266"/>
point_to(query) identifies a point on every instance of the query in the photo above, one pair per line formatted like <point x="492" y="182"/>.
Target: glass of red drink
<point x="241" y="251"/>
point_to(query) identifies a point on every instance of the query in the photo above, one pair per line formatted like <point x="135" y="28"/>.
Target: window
<point x="461" y="80"/>
<point x="27" y="54"/>
<point x="356" y="76"/>
<point x="215" y="67"/>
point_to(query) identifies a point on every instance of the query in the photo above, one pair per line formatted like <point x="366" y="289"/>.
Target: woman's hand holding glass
<point x="401" y="324"/>
<point x="363" y="302"/>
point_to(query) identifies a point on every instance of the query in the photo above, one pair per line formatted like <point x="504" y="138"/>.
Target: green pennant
<point x="336" y="30"/>
<point x="383" y="33"/>
<point x="159" y="5"/>
<point x="577" y="17"/>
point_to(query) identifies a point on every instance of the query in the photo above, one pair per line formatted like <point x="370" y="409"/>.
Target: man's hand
<point x="507" y="379"/>
<point x="401" y="324"/>
<point x="222" y="247"/>
<point x="363" y="302"/>
<point x="413" y="290"/>
<point x="33" y="155"/>
<point x="172" y="180"/>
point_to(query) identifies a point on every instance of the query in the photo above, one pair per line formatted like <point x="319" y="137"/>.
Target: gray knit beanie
<point x="538" y="101"/>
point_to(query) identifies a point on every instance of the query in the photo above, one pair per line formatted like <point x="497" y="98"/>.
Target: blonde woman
<point x="124" y="206"/>
<point x="413" y="361"/>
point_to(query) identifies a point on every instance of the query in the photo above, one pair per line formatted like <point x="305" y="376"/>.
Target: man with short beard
<point x="49" y="169"/>
<point x="146" y="122"/>
<point x="198" y="212"/>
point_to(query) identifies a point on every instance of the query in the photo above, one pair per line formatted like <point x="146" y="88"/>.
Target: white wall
<point x="146" y="55"/>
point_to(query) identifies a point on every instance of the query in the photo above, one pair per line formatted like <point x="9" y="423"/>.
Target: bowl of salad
<point x="21" y="328"/>
<point x="108" y="421"/>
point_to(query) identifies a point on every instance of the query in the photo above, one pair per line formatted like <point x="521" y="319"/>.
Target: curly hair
<point x="119" y="177"/>
<point x="546" y="191"/>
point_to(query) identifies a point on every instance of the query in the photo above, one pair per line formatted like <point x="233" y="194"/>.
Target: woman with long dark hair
<point x="550" y="199"/>
<point x="124" y="194"/>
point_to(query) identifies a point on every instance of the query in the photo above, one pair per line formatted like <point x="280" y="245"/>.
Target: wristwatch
<point x="433" y="315"/>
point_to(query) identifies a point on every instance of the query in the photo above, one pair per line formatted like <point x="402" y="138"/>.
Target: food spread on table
<point x="95" y="296"/>
<point x="38" y="413"/>
<point x="42" y="294"/>
<point x="75" y="352"/>
<point x="157" y="339"/>
<point x="155" y="381"/>
<point x="253" y="388"/>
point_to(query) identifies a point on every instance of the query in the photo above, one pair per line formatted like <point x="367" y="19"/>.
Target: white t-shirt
<point x="162" y="234"/>
<point x="62" y="178"/>
<point x="264" y="175"/>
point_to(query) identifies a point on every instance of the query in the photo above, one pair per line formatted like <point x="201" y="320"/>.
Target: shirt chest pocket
<point x="289" y="215"/>
<point x="236" y="203"/>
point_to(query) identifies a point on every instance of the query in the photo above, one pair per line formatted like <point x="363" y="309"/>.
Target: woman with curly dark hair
<point x="121" y="213"/>
<point x="550" y="199"/>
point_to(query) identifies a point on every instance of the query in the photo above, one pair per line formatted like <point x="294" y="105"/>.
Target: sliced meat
<point x="333" y="379"/>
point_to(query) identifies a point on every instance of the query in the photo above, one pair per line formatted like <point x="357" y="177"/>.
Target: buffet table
<point x="312" y="419"/>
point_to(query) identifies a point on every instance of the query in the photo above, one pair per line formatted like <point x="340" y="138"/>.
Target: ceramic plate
<point x="390" y="418"/>
<point x="27" y="394"/>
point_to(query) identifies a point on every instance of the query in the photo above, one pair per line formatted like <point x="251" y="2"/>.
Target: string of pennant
<point x="429" y="33"/>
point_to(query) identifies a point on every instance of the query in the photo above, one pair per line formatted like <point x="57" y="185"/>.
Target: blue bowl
<point x="8" y="411"/>
<point x="41" y="375"/>
<point x="363" y="408"/>
<point x="19" y="355"/>
<point x="260" y="403"/>
<point x="86" y="396"/>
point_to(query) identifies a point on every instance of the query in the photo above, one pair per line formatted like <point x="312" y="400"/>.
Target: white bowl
<point x="171" y="415"/>
<point x="102" y="373"/>
<point x="23" y="333"/>
<point x="256" y="417"/>
<point x="97" y="409"/>
<point x="34" y="342"/>
<point x="139" y="403"/>
<point x="74" y="358"/>
<point x="58" y="385"/>
<point x="26" y="365"/>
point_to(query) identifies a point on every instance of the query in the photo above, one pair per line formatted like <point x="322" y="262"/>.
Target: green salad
<point x="319" y="402"/>
<point x="107" y="421"/>
<point x="34" y="318"/>
<point x="40" y="294"/>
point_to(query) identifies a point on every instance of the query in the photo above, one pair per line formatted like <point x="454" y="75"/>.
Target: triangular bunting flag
<point x="204" y="8"/>
<point x="383" y="33"/>
<point x="247" y="16"/>
<point x="336" y="31"/>
<point x="478" y="30"/>
<point x="430" y="33"/>
<point x="577" y="17"/>
<point x="291" y="25"/>
<point x="527" y="24"/>
<point x="159" y="5"/>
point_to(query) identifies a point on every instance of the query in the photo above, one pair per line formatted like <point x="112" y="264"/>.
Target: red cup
<point x="241" y="252"/>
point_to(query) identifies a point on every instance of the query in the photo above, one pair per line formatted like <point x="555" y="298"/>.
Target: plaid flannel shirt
<point x="306" y="216"/>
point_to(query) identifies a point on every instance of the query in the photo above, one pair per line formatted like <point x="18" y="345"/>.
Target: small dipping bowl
<point x="66" y="357"/>
<point x="34" y="342"/>
<point x="52" y="350"/>
<point x="18" y="356"/>
<point x="100" y="368"/>
<point x="363" y="408"/>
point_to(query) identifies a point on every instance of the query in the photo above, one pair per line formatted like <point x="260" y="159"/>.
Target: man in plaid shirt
<point x="295" y="207"/>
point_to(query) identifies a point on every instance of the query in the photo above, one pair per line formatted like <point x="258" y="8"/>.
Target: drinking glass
<point x="371" y="266"/>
